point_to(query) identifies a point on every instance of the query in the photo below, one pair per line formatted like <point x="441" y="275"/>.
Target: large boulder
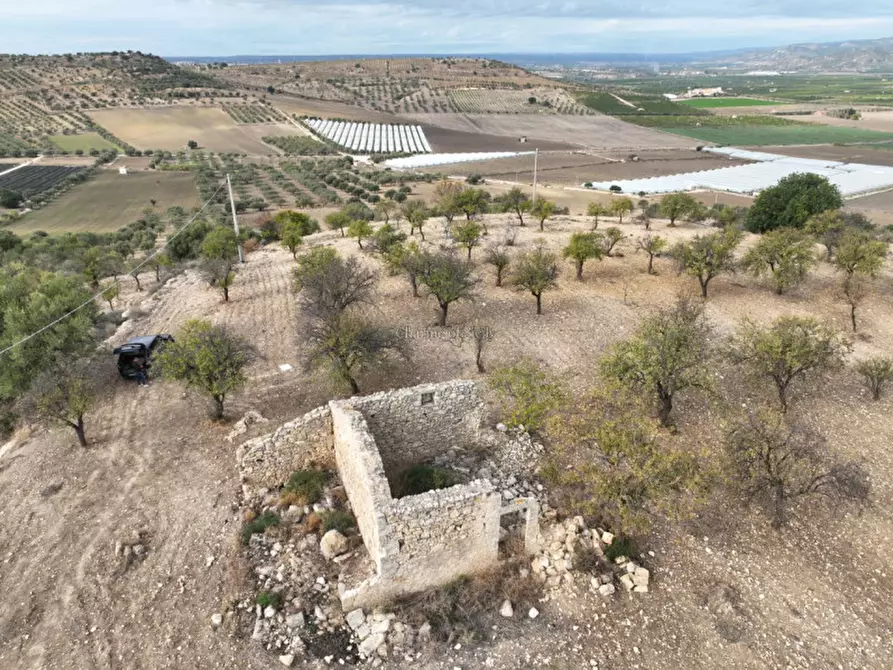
<point x="333" y="544"/>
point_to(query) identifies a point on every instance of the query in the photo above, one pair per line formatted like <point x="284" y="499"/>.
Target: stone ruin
<point x="412" y="543"/>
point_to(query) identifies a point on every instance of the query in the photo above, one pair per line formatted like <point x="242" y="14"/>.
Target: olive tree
<point x="791" y="349"/>
<point x="582" y="247"/>
<point x="207" y="358"/>
<point x="449" y="279"/>
<point x="791" y="202"/>
<point x="877" y="372"/>
<point x="779" y="464"/>
<point x="707" y="256"/>
<point x="668" y="353"/>
<point x="785" y="255"/>
<point x="536" y="272"/>
<point x="65" y="393"/>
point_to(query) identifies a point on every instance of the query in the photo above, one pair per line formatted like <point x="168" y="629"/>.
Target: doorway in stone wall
<point x="511" y="534"/>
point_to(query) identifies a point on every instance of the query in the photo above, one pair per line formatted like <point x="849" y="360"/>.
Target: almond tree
<point x="517" y="201"/>
<point x="793" y="348"/>
<point x="449" y="279"/>
<point x="708" y="256"/>
<point x="582" y="247"/>
<point x="468" y="235"/>
<point x="621" y="206"/>
<point x="785" y="255"/>
<point x="652" y="245"/>
<point x="877" y="373"/>
<point x="543" y="210"/>
<point x="499" y="258"/>
<point x="668" y="353"/>
<point x="536" y="272"/>
<point x="781" y="464"/>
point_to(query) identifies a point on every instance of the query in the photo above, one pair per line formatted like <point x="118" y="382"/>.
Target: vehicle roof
<point x="145" y="340"/>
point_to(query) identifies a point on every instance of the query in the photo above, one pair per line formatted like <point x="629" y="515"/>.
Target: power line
<point x="116" y="282"/>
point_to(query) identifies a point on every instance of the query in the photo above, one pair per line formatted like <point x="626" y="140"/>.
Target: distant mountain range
<point x="849" y="56"/>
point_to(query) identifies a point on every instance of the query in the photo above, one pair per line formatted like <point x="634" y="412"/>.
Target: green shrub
<point x="621" y="546"/>
<point x="259" y="525"/>
<point x="269" y="598"/>
<point x="337" y="520"/>
<point x="422" y="478"/>
<point x="308" y="484"/>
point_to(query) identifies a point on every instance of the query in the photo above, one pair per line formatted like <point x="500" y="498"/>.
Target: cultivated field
<point x="574" y="169"/>
<point x="716" y="103"/>
<point x="817" y="595"/>
<point x="879" y="121"/>
<point x="595" y="132"/>
<point x="172" y="128"/>
<point x="84" y="142"/>
<point x="109" y="201"/>
<point x="328" y="109"/>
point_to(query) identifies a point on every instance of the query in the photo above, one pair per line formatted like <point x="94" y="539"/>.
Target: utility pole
<point x="536" y="157"/>
<point x="232" y="206"/>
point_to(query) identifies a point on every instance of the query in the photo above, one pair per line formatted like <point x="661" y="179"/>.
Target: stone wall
<point x="443" y="534"/>
<point x="364" y="481"/>
<point x="409" y="432"/>
<point x="302" y="444"/>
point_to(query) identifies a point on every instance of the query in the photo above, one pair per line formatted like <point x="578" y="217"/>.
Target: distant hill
<point x="850" y="56"/>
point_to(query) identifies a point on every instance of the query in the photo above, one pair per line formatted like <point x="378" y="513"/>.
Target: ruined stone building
<point x="416" y="542"/>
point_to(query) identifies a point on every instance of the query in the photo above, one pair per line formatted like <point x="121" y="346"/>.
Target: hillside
<point x="411" y="85"/>
<point x="44" y="96"/>
<point x="849" y="56"/>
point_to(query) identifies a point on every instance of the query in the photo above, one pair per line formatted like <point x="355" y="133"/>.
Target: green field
<point x="111" y="201"/>
<point x="85" y="142"/>
<point x="715" y="103"/>
<point x="757" y="130"/>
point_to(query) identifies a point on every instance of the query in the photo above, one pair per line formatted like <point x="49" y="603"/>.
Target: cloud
<point x="227" y="27"/>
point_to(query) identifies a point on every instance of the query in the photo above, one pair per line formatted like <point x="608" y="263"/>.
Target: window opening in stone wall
<point x="427" y="398"/>
<point x="511" y="535"/>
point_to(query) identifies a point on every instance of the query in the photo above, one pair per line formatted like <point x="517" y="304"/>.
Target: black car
<point x="139" y="347"/>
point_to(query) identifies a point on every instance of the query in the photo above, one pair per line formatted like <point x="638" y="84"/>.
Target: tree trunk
<point x="520" y="218"/>
<point x="469" y="253"/>
<point x="479" y="360"/>
<point x="157" y="273"/>
<point x="539" y="303"/>
<point x="139" y="286"/>
<point x="342" y="231"/>
<point x="665" y="409"/>
<point x="354" y="387"/>
<point x="651" y="264"/>
<point x="783" y="398"/>
<point x="648" y="224"/>
<point x="79" y="431"/>
<point x="542" y="222"/>
<point x="360" y="242"/>
<point x="111" y="306"/>
<point x="217" y="413"/>
<point x="499" y="276"/>
<point x="579" y="270"/>
<point x="853" y="316"/>
<point x="704" y="283"/>
<point x="444" y="308"/>
<point x="414" y="282"/>
<point x="672" y="222"/>
<point x="778" y="517"/>
<point x="422" y="233"/>
<point x="226" y="294"/>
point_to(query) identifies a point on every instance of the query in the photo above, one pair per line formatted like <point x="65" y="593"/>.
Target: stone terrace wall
<point x="302" y="444"/>
<point x="408" y="432"/>
<point x="364" y="481"/>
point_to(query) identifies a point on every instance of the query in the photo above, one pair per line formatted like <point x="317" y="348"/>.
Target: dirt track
<point x="816" y="597"/>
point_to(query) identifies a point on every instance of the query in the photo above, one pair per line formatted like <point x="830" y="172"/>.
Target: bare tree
<point x="329" y="284"/>
<point x="781" y="464"/>
<point x="481" y="335"/>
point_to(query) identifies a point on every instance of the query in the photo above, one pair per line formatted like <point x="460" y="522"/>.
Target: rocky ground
<point x="119" y="555"/>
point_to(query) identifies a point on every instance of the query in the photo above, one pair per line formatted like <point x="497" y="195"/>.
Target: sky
<point x="315" y="27"/>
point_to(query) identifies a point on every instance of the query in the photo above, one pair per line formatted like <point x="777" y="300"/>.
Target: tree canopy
<point x="791" y="202"/>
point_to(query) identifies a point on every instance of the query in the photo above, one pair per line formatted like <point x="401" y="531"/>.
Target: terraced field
<point x="85" y="142"/>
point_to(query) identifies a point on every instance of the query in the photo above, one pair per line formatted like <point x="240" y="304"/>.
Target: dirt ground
<point x="816" y="596"/>
<point x="173" y="127"/>
<point x="595" y="132"/>
<point x="880" y="121"/>
<point x="326" y="109"/>
<point x="450" y="140"/>
<point x="852" y="154"/>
